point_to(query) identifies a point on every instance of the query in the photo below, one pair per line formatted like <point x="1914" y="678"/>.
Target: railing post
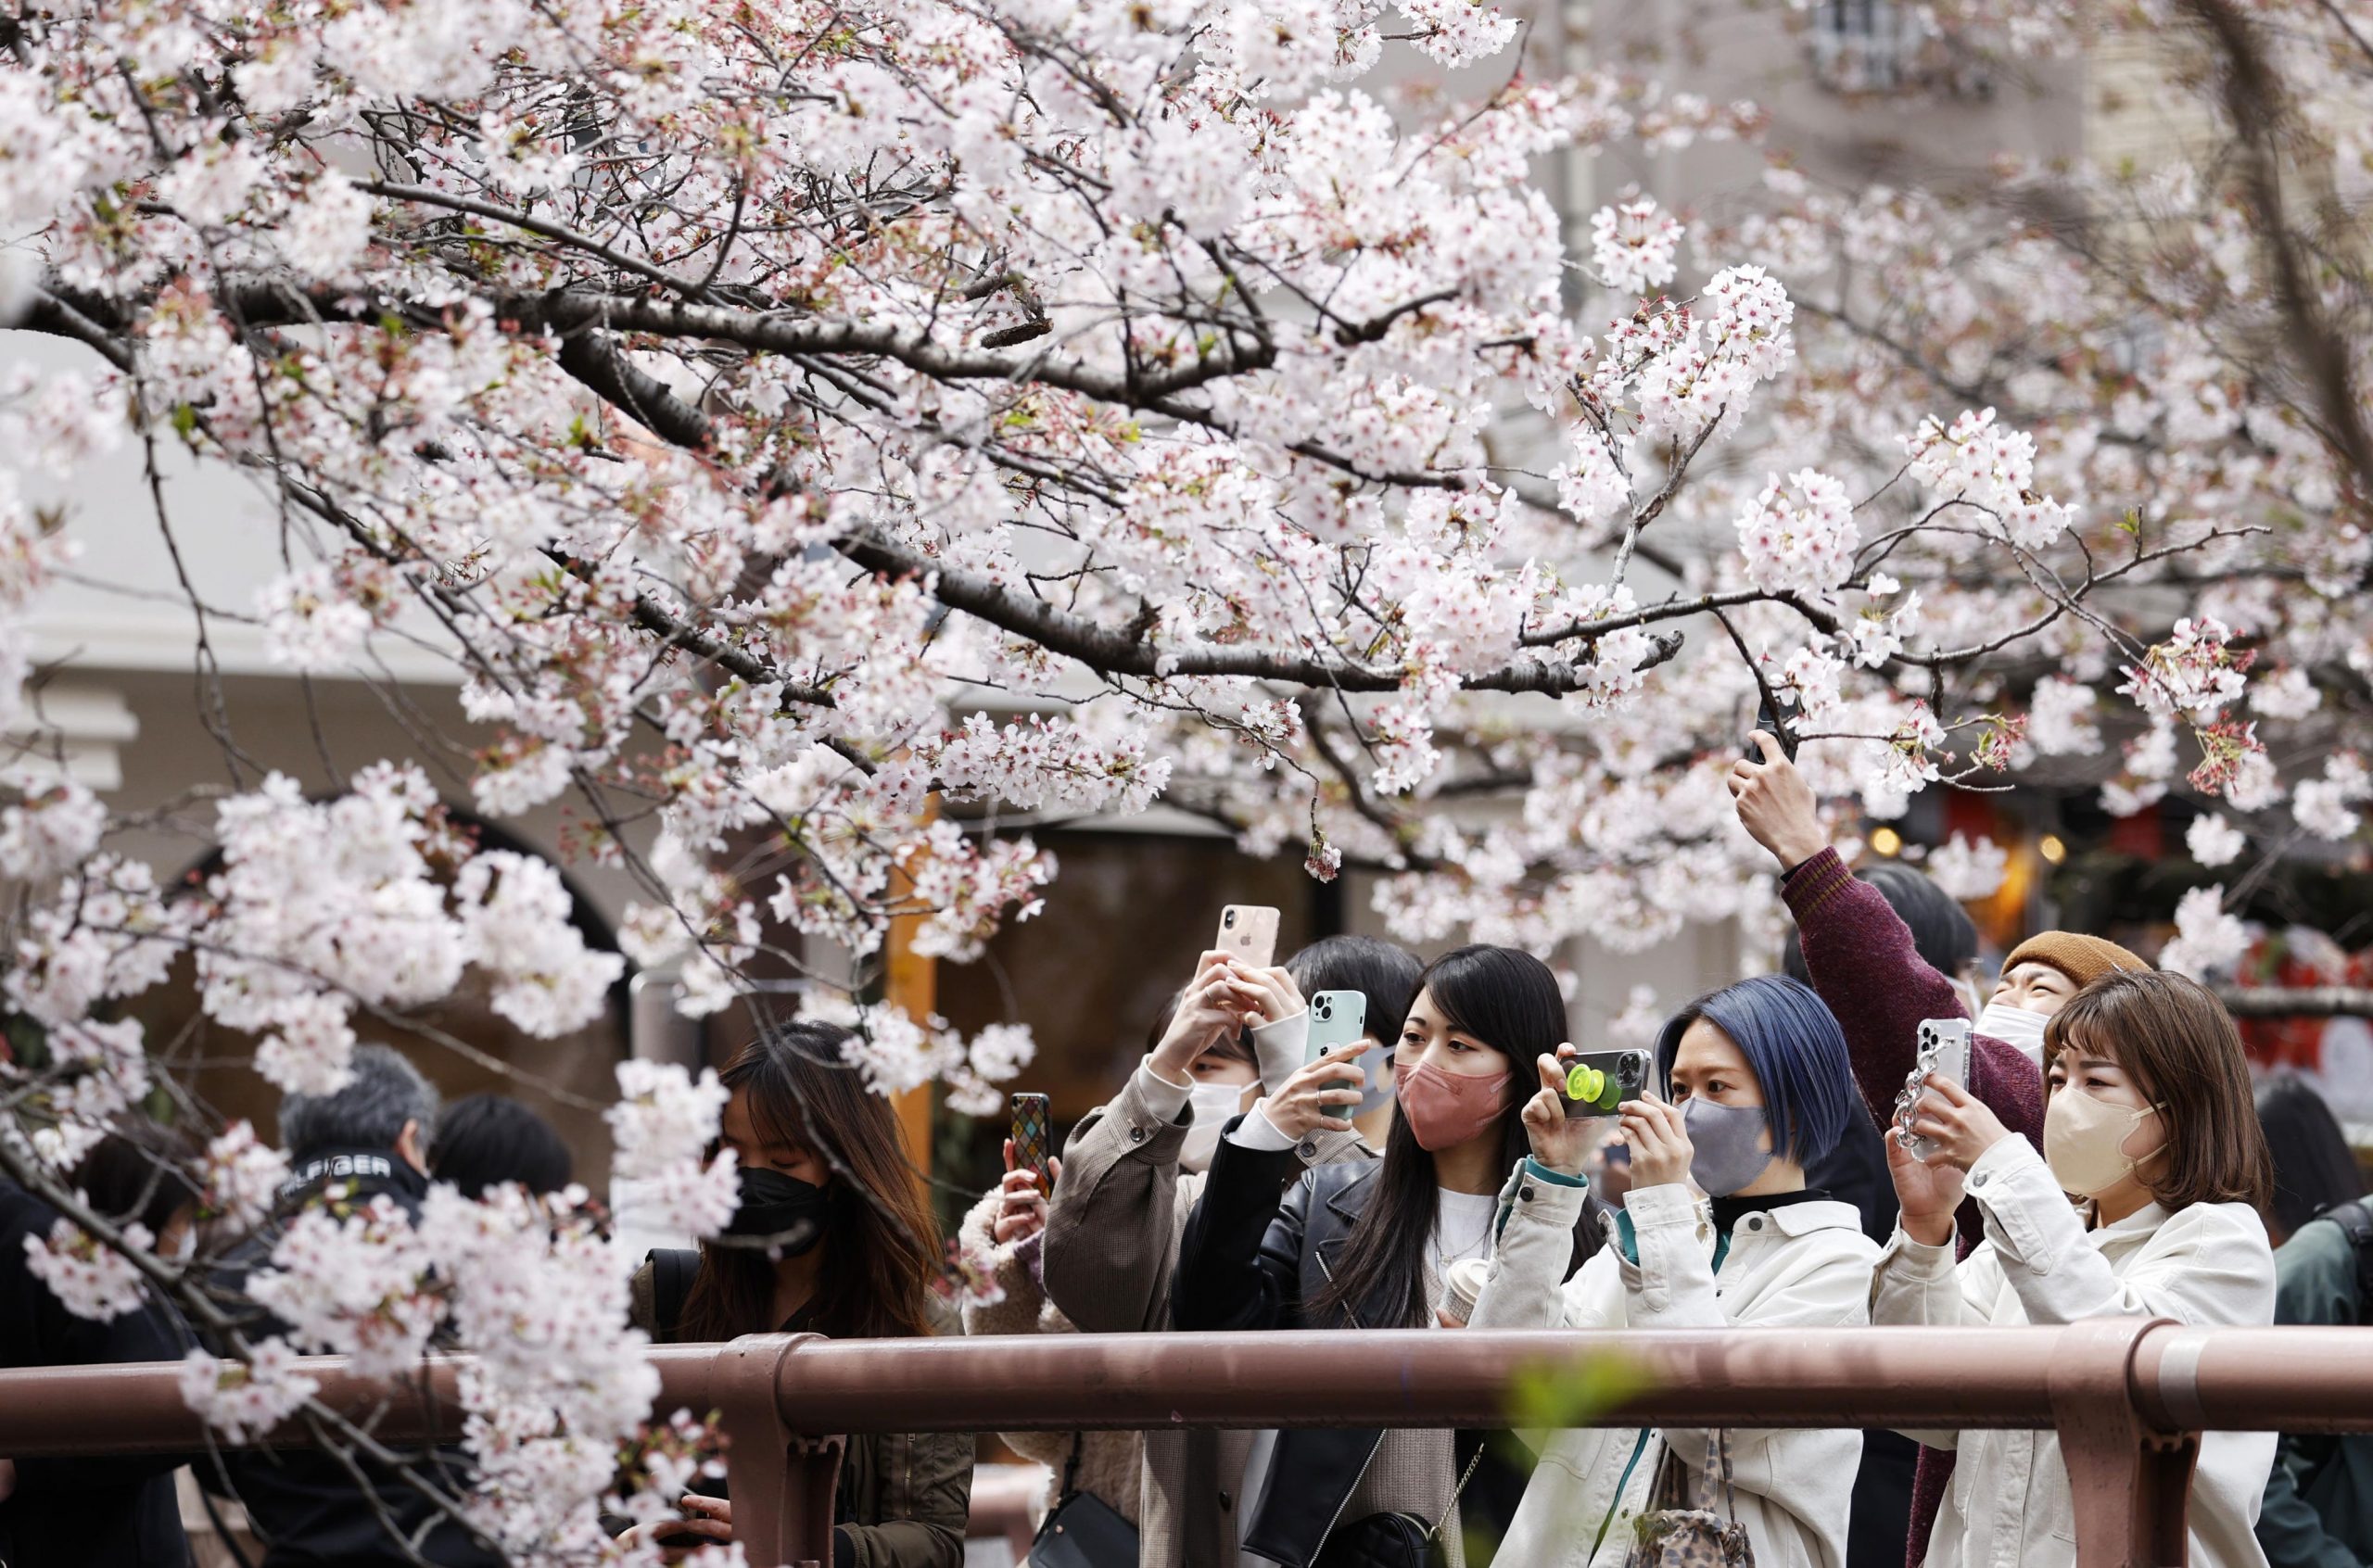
<point x="783" y="1482"/>
<point x="2131" y="1480"/>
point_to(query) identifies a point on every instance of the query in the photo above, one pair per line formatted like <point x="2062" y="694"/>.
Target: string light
<point x="1886" y="840"/>
<point x="2051" y="849"/>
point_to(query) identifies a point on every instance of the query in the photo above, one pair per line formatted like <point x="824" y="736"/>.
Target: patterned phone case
<point x="1033" y="1136"/>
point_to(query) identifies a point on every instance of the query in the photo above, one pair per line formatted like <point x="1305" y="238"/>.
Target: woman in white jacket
<point x="1758" y="1083"/>
<point x="2150" y="1125"/>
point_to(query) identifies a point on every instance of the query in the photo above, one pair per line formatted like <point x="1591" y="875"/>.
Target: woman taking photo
<point x="2149" y="1124"/>
<point x="1272" y="1245"/>
<point x="1757" y="1084"/>
<point x="1133" y="1168"/>
<point x="832" y="1236"/>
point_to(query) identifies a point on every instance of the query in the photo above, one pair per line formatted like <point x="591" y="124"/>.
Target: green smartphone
<point x="1338" y="1018"/>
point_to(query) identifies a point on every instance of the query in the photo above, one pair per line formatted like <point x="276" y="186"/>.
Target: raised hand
<point x="1658" y="1140"/>
<point x="1220" y="1000"/>
<point x="1927" y="1194"/>
<point x="1313" y="1097"/>
<point x="1559" y="1142"/>
<point x="1776" y="806"/>
<point x="1022" y="1211"/>
<point x="1962" y="1125"/>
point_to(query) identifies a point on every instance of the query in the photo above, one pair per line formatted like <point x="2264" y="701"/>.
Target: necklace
<point x="1468" y="1248"/>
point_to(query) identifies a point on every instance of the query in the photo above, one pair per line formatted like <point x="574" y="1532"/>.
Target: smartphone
<point x="1767" y="720"/>
<point x="1248" y="932"/>
<point x="1033" y="1137"/>
<point x="1599" y="1082"/>
<point x="1943" y="1052"/>
<point x="1338" y="1018"/>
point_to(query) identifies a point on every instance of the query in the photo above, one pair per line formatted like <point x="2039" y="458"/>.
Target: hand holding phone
<point x="1943" y="1052"/>
<point x="1338" y="1018"/>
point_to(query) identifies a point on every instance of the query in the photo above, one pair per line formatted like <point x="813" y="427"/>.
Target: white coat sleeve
<point x="1921" y="1287"/>
<point x="2208" y="1263"/>
<point x="1526" y="1285"/>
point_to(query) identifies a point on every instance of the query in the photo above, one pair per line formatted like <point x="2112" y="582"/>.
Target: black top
<point x="1728" y="1211"/>
<point x="67" y="1512"/>
<point x="307" y="1507"/>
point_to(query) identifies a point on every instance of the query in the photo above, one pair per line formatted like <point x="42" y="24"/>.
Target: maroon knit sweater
<point x="1859" y="954"/>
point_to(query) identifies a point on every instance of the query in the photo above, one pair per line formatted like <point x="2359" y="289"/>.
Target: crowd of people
<point x="2103" y="1153"/>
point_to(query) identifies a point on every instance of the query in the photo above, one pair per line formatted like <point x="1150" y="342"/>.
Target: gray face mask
<point x="1726" y="1140"/>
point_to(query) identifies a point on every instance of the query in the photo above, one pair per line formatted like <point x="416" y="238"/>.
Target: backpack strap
<point x="672" y="1269"/>
<point x="2355" y="1220"/>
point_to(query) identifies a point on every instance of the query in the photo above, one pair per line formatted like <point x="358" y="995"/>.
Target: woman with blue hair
<point x="1757" y="1084"/>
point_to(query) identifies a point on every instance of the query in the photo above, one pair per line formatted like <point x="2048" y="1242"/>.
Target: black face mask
<point x="783" y="1210"/>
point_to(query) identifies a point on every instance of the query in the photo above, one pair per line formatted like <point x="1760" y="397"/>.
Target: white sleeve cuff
<point x="1257" y="1131"/>
<point x="1165" y="1099"/>
<point x="1277" y="1048"/>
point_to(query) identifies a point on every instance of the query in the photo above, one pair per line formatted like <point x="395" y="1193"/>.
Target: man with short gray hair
<point x="386" y="1113"/>
<point x="366" y="1139"/>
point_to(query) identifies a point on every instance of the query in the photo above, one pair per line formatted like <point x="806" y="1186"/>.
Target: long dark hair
<point x="882" y="1245"/>
<point x="1509" y="1001"/>
<point x="2313" y="1166"/>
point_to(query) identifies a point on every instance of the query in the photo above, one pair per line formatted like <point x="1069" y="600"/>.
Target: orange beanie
<point x="2082" y="958"/>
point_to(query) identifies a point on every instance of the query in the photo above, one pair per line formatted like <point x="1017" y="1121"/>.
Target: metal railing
<point x="2128" y="1397"/>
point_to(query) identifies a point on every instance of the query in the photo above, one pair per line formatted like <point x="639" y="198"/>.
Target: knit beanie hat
<point x="2082" y="958"/>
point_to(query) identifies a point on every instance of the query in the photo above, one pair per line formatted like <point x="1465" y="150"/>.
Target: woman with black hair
<point x="2314" y="1167"/>
<point x="1274" y="1246"/>
<point x="833" y="1236"/>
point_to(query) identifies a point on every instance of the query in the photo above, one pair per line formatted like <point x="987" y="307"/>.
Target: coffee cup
<point x="1462" y="1283"/>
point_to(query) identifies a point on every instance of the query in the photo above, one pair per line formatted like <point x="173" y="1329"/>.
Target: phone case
<point x="1033" y="1136"/>
<point x="1338" y="1018"/>
<point x="1768" y="722"/>
<point x="1250" y="932"/>
<point x="1943" y="1049"/>
<point x="1597" y="1083"/>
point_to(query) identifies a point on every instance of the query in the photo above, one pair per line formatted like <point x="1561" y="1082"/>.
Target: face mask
<point x="2013" y="1026"/>
<point x="1444" y="1109"/>
<point x="2084" y="1142"/>
<point x="788" y="1211"/>
<point x="1727" y="1142"/>
<point x="1214" y="1105"/>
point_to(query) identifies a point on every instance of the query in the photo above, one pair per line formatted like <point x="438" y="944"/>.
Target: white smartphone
<point x="1943" y="1053"/>
<point x="1248" y="932"/>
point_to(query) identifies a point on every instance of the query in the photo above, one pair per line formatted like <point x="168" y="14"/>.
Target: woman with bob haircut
<point x="833" y="1235"/>
<point x="1757" y="1084"/>
<point x="1272" y="1245"/>
<point x="2150" y="1126"/>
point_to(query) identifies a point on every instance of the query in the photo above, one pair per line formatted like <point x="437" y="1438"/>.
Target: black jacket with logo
<point x="306" y="1505"/>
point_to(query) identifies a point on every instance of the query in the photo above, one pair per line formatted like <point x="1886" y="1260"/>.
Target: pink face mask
<point x="1444" y="1109"/>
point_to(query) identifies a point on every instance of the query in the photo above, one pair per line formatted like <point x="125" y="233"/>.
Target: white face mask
<point x="2014" y="1025"/>
<point x="1214" y="1105"/>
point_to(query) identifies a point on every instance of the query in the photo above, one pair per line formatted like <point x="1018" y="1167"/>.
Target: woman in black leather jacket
<point x="1272" y="1246"/>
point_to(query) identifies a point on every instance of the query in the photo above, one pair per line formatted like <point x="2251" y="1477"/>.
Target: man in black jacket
<point x="68" y="1513"/>
<point x="367" y="1139"/>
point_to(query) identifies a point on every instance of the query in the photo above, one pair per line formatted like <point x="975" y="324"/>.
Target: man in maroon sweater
<point x="1863" y="964"/>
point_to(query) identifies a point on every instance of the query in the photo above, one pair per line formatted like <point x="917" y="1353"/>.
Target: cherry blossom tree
<point x="748" y="402"/>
